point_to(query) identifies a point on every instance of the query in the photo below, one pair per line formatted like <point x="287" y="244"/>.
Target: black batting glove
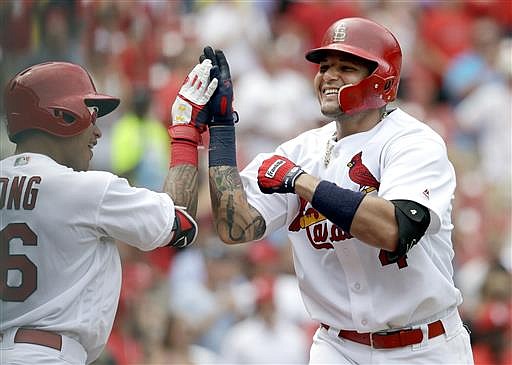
<point x="221" y="102"/>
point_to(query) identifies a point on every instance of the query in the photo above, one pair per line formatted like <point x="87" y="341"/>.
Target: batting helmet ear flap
<point x="372" y="92"/>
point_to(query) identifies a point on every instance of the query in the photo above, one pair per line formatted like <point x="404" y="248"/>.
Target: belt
<point x="389" y="340"/>
<point x="38" y="337"/>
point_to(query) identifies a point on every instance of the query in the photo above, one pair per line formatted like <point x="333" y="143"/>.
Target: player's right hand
<point x="221" y="103"/>
<point x="190" y="106"/>
<point x="277" y="174"/>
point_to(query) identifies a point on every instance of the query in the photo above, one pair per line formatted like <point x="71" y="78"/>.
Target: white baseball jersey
<point x="344" y="282"/>
<point x="62" y="268"/>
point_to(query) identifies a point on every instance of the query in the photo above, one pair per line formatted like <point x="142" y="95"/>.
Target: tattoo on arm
<point x="181" y="184"/>
<point x="235" y="219"/>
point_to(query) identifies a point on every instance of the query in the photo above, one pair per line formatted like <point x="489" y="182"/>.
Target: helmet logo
<point x="340" y="33"/>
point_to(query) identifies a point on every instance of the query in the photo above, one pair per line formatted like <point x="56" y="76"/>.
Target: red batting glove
<point x="277" y="174"/>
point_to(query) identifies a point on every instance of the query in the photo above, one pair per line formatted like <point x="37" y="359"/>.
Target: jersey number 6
<point x="20" y="263"/>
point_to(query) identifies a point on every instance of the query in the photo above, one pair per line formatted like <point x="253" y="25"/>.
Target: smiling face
<point x="78" y="149"/>
<point x="335" y="71"/>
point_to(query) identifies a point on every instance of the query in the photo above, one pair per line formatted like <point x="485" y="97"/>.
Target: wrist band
<point x="337" y="204"/>
<point x="184" y="141"/>
<point x="222" y="150"/>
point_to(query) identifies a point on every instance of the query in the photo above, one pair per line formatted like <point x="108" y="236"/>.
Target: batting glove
<point x="184" y="228"/>
<point x="189" y="107"/>
<point x="278" y="174"/>
<point x="190" y="114"/>
<point x="221" y="104"/>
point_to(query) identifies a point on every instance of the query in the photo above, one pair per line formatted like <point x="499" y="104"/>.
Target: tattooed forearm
<point x="236" y="221"/>
<point x="182" y="185"/>
<point x="226" y="178"/>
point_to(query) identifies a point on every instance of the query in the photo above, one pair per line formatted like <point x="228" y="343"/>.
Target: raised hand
<point x="222" y="149"/>
<point x="190" y="107"/>
<point x="277" y="174"/>
<point x="221" y="103"/>
<point x="190" y="114"/>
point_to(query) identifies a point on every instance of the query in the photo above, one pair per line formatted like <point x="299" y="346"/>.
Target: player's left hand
<point x="277" y="174"/>
<point x="221" y="104"/>
<point x="190" y="107"/>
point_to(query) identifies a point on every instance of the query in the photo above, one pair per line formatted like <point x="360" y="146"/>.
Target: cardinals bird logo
<point x="360" y="174"/>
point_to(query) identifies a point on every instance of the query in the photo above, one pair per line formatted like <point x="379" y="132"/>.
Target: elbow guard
<point x="413" y="220"/>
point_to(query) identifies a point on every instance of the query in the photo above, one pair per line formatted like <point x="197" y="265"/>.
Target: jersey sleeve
<point x="417" y="168"/>
<point x="136" y="216"/>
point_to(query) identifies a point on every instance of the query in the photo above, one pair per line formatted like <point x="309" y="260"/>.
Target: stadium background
<point x="199" y="305"/>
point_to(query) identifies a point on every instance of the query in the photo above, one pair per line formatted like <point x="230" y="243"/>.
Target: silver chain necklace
<point x="331" y="142"/>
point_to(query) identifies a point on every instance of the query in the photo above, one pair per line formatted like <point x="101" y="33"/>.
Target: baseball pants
<point x="453" y="347"/>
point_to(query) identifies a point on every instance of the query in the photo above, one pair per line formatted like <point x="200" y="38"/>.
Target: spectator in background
<point x="237" y="27"/>
<point x="266" y="259"/>
<point x="265" y="337"/>
<point x="212" y="299"/>
<point x="484" y="112"/>
<point x="444" y="32"/>
<point x="173" y="71"/>
<point x="268" y="90"/>
<point x="314" y="17"/>
<point x="492" y="323"/>
<point x="16" y="19"/>
<point x="140" y="144"/>
<point x="58" y="34"/>
<point x="178" y="347"/>
<point x="475" y="65"/>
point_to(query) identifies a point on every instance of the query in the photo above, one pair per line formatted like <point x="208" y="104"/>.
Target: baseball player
<point x="366" y="201"/>
<point x="60" y="273"/>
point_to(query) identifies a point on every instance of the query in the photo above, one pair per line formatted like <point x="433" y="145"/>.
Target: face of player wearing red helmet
<point x="81" y="148"/>
<point x="336" y="70"/>
<point x="78" y="150"/>
<point x="74" y="152"/>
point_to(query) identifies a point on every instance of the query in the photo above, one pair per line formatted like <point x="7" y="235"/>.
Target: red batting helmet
<point x="53" y="97"/>
<point x="370" y="41"/>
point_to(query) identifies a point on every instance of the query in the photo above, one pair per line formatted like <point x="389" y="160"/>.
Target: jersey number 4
<point x="28" y="283"/>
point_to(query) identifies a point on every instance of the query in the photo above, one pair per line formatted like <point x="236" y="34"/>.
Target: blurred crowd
<point x="213" y="303"/>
